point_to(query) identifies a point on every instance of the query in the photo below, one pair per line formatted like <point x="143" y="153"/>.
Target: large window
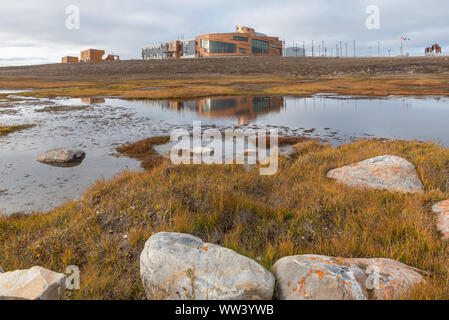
<point x="205" y="45"/>
<point x="274" y="45"/>
<point x="259" y="46"/>
<point x="238" y="38"/>
<point x="222" y="47"/>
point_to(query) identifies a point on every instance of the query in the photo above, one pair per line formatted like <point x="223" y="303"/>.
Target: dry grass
<point x="144" y="151"/>
<point x="4" y="130"/>
<point x="421" y="85"/>
<point x="296" y="211"/>
<point x="33" y="83"/>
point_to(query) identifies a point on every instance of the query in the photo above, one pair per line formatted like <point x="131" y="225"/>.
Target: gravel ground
<point x="131" y="69"/>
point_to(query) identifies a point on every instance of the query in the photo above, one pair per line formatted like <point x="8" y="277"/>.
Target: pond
<point x="98" y="126"/>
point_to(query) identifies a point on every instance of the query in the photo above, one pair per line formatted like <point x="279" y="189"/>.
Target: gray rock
<point x="36" y="283"/>
<point x="176" y="266"/>
<point x="62" y="155"/>
<point x="390" y="173"/>
<point x="1" y="270"/>
<point x="442" y="211"/>
<point x="291" y="152"/>
<point x="313" y="277"/>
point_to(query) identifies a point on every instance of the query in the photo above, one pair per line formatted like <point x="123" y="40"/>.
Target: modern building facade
<point x="92" y="55"/>
<point x="174" y="49"/>
<point x="244" y="41"/>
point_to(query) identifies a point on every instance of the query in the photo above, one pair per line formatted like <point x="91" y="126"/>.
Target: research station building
<point x="244" y="41"/>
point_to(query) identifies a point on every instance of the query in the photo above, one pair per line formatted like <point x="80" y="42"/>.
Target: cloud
<point x="33" y="30"/>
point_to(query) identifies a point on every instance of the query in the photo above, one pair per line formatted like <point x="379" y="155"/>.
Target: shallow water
<point x="98" y="126"/>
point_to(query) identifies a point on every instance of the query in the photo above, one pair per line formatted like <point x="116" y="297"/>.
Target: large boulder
<point x="62" y="155"/>
<point x="442" y="211"/>
<point x="36" y="283"/>
<point x="390" y="173"/>
<point x="313" y="277"/>
<point x="176" y="266"/>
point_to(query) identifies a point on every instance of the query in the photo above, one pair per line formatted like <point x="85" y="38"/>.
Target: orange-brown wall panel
<point x="69" y="60"/>
<point x="229" y="38"/>
<point x="92" y="55"/>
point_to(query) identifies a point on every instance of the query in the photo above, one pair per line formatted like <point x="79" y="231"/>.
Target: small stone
<point x="62" y="155"/>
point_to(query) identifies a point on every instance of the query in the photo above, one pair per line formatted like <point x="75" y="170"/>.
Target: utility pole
<point x="304" y="47"/>
<point x="378" y="48"/>
<point x="341" y="50"/>
<point x="346" y="49"/>
<point x="322" y="46"/>
<point x="354" y="48"/>
<point x="319" y="50"/>
<point x="313" y="50"/>
<point x="336" y="52"/>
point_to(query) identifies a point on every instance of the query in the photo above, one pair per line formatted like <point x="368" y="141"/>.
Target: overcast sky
<point x="34" y="31"/>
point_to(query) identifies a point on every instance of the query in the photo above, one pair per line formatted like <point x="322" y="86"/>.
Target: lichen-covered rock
<point x="62" y="155"/>
<point x="176" y="266"/>
<point x="36" y="283"/>
<point x="387" y="279"/>
<point x="313" y="277"/>
<point x="442" y="211"/>
<point x="390" y="173"/>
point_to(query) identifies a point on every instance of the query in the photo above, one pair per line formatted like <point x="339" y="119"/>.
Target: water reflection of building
<point x="244" y="109"/>
<point x="92" y="100"/>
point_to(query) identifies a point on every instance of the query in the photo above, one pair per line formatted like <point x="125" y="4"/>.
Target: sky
<point x="36" y="32"/>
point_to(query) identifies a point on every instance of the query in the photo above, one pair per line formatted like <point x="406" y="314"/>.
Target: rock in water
<point x="62" y="155"/>
<point x="36" y="283"/>
<point x="381" y="173"/>
<point x="313" y="277"/>
<point x="176" y="266"/>
<point x="442" y="211"/>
